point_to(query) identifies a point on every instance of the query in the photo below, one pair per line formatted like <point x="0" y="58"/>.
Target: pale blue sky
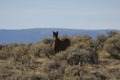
<point x="78" y="14"/>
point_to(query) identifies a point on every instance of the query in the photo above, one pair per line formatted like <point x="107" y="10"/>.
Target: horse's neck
<point x="56" y="39"/>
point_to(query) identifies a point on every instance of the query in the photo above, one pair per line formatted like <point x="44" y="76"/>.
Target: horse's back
<point x="65" y="42"/>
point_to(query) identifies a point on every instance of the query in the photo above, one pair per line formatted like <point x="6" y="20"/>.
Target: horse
<point x="59" y="44"/>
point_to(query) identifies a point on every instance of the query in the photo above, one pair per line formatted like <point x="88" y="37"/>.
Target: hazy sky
<point x="78" y="14"/>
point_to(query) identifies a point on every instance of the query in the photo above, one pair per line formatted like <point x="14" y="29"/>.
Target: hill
<point x="35" y="35"/>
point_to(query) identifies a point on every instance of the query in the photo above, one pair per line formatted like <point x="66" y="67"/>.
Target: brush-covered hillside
<point x="85" y="59"/>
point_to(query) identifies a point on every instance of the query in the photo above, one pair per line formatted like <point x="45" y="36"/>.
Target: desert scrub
<point x="73" y="73"/>
<point x="112" y="46"/>
<point x="78" y="57"/>
<point x="6" y="52"/>
<point x="13" y="51"/>
<point x="30" y="76"/>
<point x="47" y="41"/>
<point x="55" y="75"/>
<point x="99" y="41"/>
<point x="82" y="56"/>
<point x="20" y="51"/>
<point x="49" y="66"/>
<point x="82" y="38"/>
<point x="40" y="50"/>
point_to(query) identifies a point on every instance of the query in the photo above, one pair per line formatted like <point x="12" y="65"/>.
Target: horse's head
<point x="55" y="34"/>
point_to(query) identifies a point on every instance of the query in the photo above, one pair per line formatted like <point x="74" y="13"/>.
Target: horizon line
<point x="54" y="28"/>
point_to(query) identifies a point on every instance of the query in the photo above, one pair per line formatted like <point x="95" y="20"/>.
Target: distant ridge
<point x="37" y="34"/>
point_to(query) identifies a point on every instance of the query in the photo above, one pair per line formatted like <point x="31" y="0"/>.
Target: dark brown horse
<point x="59" y="45"/>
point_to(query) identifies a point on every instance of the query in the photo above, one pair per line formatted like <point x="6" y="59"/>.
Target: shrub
<point x="72" y="71"/>
<point x="111" y="34"/>
<point x="47" y="41"/>
<point x="19" y="51"/>
<point x="55" y="75"/>
<point x="4" y="54"/>
<point x="83" y="56"/>
<point x="31" y="76"/>
<point x="100" y="40"/>
<point x="40" y="50"/>
<point x="53" y="65"/>
<point x="78" y="39"/>
<point x="13" y="51"/>
<point x="112" y="46"/>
